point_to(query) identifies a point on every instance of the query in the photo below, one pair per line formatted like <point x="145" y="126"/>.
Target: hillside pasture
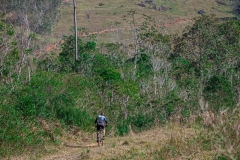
<point x="100" y="16"/>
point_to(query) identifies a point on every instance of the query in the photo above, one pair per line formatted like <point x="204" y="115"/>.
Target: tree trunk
<point x="75" y="29"/>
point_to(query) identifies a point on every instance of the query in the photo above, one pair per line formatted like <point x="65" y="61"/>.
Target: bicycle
<point x="100" y="137"/>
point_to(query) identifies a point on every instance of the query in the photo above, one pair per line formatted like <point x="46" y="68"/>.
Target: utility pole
<point x="75" y="29"/>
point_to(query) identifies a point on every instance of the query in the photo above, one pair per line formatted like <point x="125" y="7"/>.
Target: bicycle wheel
<point x="98" y="139"/>
<point x="102" y="141"/>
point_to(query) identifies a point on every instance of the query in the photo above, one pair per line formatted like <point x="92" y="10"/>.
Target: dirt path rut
<point x="117" y="147"/>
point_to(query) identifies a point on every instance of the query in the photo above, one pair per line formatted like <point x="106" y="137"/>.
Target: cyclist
<point x="101" y="122"/>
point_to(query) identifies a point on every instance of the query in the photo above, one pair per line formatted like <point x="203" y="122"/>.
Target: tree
<point x="41" y="14"/>
<point x="208" y="49"/>
<point x="67" y="58"/>
<point x="157" y="47"/>
<point x="75" y="30"/>
<point x="30" y="18"/>
<point x="139" y="24"/>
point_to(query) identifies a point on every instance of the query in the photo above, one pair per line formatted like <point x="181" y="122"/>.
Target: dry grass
<point x="145" y="145"/>
<point x="220" y="138"/>
<point x="173" y="141"/>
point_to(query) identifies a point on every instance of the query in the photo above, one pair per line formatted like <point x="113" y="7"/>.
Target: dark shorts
<point x="100" y="127"/>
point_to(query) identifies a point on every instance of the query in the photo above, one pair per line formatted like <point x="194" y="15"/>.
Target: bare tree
<point x="30" y="18"/>
<point x="140" y="25"/>
<point x="75" y="29"/>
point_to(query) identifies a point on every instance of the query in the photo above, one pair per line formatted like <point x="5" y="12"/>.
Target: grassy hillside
<point x="174" y="14"/>
<point x="142" y="81"/>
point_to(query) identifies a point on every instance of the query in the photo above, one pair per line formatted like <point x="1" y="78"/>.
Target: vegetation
<point x="156" y="79"/>
<point x="176" y="15"/>
<point x="40" y="15"/>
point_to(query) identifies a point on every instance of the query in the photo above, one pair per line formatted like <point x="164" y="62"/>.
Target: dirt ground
<point x="118" y="146"/>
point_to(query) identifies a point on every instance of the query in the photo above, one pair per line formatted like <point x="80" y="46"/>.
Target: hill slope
<point x="100" y="15"/>
<point x="154" y="83"/>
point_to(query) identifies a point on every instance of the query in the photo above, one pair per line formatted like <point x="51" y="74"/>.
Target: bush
<point x="16" y="133"/>
<point x="144" y="66"/>
<point x="102" y="67"/>
<point x="49" y="96"/>
<point x="101" y="4"/>
<point x="219" y="93"/>
<point x="173" y="104"/>
<point x="122" y="128"/>
<point x="141" y="122"/>
<point x="67" y="56"/>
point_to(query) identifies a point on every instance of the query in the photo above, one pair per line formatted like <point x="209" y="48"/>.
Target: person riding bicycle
<point x="101" y="122"/>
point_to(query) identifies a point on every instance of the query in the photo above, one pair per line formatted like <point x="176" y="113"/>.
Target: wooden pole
<point x="75" y="29"/>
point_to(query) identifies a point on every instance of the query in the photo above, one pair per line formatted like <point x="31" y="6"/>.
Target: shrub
<point x="101" y="4"/>
<point x="219" y="93"/>
<point x="67" y="57"/>
<point x="122" y="128"/>
<point x="173" y="104"/>
<point x="141" y="122"/>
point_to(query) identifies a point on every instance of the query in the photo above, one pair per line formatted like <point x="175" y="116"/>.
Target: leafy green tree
<point x="209" y="48"/>
<point x="67" y="57"/>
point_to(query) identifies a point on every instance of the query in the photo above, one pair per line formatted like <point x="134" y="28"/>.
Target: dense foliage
<point x="166" y="79"/>
<point x="207" y="57"/>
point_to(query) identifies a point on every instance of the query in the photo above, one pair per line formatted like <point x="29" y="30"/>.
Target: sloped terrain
<point x="49" y="114"/>
<point x="97" y="16"/>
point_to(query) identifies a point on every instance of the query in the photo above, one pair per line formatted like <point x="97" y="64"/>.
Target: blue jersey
<point x="101" y="119"/>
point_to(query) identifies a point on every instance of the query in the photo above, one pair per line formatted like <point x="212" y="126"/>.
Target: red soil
<point x="177" y="21"/>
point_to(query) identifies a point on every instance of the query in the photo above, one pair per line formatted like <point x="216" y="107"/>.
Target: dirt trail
<point x="167" y="24"/>
<point x="51" y="47"/>
<point x="118" y="147"/>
